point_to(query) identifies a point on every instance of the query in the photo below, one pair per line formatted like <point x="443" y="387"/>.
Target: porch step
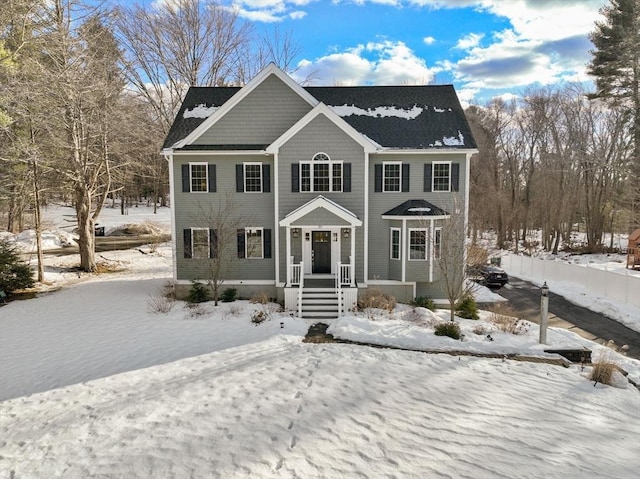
<point x="319" y="303"/>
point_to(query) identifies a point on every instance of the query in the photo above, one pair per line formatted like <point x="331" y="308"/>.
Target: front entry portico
<point x="320" y="242"/>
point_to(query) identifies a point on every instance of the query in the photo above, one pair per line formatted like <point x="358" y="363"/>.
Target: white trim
<point x="172" y="199"/>
<point x="414" y="218"/>
<point x="426" y="243"/>
<point x="269" y="70"/>
<point x="168" y="151"/>
<point x="329" y="162"/>
<point x="206" y="171"/>
<point x="430" y="151"/>
<point x="201" y="228"/>
<point x="275" y="245"/>
<point x="248" y="282"/>
<point x="391" y="230"/>
<point x="244" y="176"/>
<point x="433" y="176"/>
<point x="322" y="109"/>
<point x="250" y="229"/>
<point x="320" y="202"/>
<point x="384" y="164"/>
<point x="365" y="254"/>
<point x="403" y="253"/>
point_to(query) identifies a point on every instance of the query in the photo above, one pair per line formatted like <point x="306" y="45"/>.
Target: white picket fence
<point x="623" y="287"/>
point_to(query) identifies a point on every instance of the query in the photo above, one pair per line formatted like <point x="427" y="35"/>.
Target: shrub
<point x="14" y="273"/>
<point x="159" y="304"/>
<point x="260" y="298"/>
<point x="605" y="369"/>
<point x="375" y="299"/>
<point x="259" y="317"/>
<point x="198" y="293"/>
<point x="503" y="316"/>
<point x="424" y="302"/>
<point x="467" y="308"/>
<point x="195" y="310"/>
<point x="449" y="328"/>
<point x="229" y="295"/>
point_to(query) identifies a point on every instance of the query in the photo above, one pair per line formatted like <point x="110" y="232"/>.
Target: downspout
<point x="276" y="216"/>
<point x="172" y="199"/>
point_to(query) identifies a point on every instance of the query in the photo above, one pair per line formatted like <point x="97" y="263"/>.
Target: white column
<point x="288" y="254"/>
<point x="352" y="257"/>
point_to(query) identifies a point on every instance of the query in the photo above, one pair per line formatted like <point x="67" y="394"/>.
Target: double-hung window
<point x="200" y="243"/>
<point x="394" y="246"/>
<point x="252" y="177"/>
<point x="392" y="176"/>
<point x="254" y="243"/>
<point x="441" y="176"/>
<point x="321" y="174"/>
<point x="199" y="177"/>
<point x="417" y="244"/>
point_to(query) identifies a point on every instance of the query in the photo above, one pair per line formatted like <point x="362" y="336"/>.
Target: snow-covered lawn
<point x="95" y="385"/>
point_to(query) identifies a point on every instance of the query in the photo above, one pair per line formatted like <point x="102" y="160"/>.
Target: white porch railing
<point x="344" y="277"/>
<point x="295" y="277"/>
<point x="294" y="273"/>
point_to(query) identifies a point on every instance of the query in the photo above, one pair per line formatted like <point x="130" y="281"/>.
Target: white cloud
<point x="269" y="11"/>
<point x="376" y="63"/>
<point x="428" y="40"/>
<point x="470" y="41"/>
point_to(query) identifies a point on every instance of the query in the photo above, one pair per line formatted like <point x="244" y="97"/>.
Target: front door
<point x="321" y="252"/>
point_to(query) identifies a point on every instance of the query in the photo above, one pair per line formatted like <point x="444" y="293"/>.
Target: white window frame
<point x="317" y="159"/>
<point x="244" y="175"/>
<point x="399" y="243"/>
<point x="193" y="243"/>
<point x="384" y="176"/>
<point x="206" y="176"/>
<point x="437" y="242"/>
<point x="426" y="243"/>
<point x="248" y="231"/>
<point x="433" y="176"/>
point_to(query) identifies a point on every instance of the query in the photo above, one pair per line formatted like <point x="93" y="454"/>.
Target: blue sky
<point x="486" y="48"/>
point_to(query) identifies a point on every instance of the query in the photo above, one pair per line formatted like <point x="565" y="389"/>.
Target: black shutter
<point x="186" y="181"/>
<point x="239" y="178"/>
<point x="240" y="243"/>
<point x="455" y="176"/>
<point x="295" y="177"/>
<point x="405" y="177"/>
<point x="346" y="177"/>
<point x="266" y="178"/>
<point x="212" y="178"/>
<point x="378" y="178"/>
<point x="267" y="242"/>
<point x="427" y="177"/>
<point x="213" y="243"/>
<point x="187" y="243"/>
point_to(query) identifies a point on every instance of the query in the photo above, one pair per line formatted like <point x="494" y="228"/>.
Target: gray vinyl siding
<point x="260" y="118"/>
<point x="380" y="202"/>
<point x="322" y="135"/>
<point x="192" y="210"/>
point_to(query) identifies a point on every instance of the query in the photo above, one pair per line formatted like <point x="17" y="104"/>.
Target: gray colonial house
<point x="342" y="188"/>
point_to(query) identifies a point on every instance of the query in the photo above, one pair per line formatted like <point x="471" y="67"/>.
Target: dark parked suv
<point x="493" y="276"/>
<point x="489" y="275"/>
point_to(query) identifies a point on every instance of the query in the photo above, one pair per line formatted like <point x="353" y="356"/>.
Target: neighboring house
<point x="347" y="187"/>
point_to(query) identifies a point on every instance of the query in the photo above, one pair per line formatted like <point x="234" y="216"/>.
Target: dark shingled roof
<point x="438" y="120"/>
<point x="416" y="208"/>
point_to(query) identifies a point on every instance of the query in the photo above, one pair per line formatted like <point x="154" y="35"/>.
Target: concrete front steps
<point x="319" y="303"/>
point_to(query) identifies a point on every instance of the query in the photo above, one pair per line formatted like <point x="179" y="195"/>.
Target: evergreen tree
<point x="14" y="273"/>
<point x="616" y="67"/>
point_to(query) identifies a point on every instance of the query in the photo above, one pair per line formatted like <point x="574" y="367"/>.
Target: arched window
<point x="321" y="174"/>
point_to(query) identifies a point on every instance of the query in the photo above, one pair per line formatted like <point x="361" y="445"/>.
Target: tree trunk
<point x="86" y="239"/>
<point x="37" y="218"/>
